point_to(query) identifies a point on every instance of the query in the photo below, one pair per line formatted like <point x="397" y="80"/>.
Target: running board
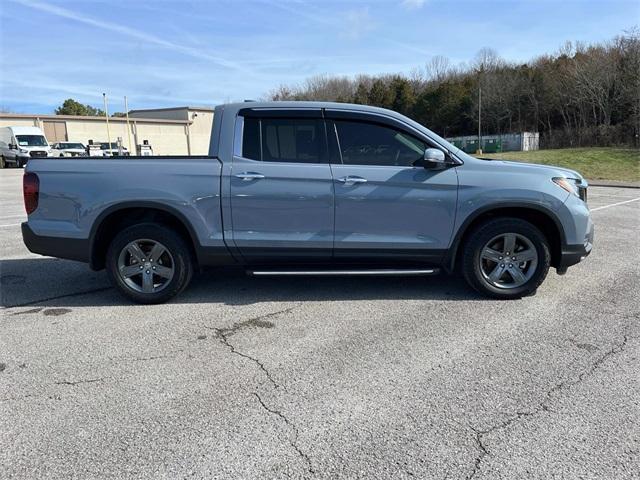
<point x="351" y="272"/>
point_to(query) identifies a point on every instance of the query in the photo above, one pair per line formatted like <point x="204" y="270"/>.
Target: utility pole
<point x="479" y="151"/>
<point x="106" y="115"/>
<point x="126" y="110"/>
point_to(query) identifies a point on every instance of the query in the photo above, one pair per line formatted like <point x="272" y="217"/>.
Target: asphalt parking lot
<point x="322" y="378"/>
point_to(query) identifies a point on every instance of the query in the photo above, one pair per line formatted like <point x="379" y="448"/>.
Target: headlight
<point x="22" y="150"/>
<point x="568" y="184"/>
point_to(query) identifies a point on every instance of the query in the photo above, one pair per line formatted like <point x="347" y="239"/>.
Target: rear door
<point x="388" y="207"/>
<point x="281" y="186"/>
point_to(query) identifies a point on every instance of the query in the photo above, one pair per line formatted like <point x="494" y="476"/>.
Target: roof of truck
<point x="309" y="104"/>
<point x="328" y="105"/>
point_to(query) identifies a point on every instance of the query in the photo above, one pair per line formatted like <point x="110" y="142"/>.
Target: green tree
<point x="404" y="96"/>
<point x="380" y="95"/>
<point x="362" y="94"/>
<point x="72" y="107"/>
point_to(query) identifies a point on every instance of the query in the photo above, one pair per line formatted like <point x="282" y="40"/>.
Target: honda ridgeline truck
<point x="302" y="188"/>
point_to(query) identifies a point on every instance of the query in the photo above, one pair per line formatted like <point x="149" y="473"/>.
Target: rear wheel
<point x="506" y="258"/>
<point x="149" y="263"/>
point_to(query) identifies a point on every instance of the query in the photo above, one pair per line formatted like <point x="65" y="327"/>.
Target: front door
<point x="281" y="187"/>
<point x="387" y="207"/>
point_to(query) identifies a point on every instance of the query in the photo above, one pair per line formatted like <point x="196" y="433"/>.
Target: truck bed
<point x="77" y="193"/>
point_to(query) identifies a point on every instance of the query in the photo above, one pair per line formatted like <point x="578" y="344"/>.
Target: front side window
<point x="363" y="143"/>
<point x="283" y="140"/>
<point x="31" y="140"/>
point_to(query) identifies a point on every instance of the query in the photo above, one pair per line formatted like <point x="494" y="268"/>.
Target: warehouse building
<point x="169" y="131"/>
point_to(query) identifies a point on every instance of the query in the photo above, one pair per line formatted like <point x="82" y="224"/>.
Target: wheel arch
<point x="113" y="219"/>
<point x="541" y="217"/>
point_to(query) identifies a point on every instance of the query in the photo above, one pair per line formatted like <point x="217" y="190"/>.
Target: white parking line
<point x="615" y="204"/>
<point x="10" y="225"/>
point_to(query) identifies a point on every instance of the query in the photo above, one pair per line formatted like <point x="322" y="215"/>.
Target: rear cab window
<point x="286" y="136"/>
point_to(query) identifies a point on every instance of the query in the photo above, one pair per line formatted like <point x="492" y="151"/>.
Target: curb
<point x="611" y="183"/>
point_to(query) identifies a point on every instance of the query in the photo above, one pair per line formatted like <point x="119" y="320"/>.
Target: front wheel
<point x="506" y="258"/>
<point x="149" y="263"/>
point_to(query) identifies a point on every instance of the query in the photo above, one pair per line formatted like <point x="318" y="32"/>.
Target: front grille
<point x="582" y="193"/>
<point x="38" y="154"/>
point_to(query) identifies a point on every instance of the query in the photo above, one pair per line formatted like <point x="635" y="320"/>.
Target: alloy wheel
<point x="508" y="260"/>
<point x="146" y="266"/>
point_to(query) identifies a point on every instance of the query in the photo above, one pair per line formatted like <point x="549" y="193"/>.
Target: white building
<point x="169" y="131"/>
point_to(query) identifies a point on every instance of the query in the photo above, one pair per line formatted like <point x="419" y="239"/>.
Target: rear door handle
<point x="248" y="176"/>
<point x="349" y="180"/>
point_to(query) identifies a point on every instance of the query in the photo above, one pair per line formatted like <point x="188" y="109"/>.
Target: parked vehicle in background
<point x="68" y="149"/>
<point x="112" y="150"/>
<point x="304" y="188"/>
<point x="19" y="144"/>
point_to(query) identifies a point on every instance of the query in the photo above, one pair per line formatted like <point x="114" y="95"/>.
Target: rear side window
<point x="298" y="140"/>
<point x="363" y="143"/>
<point x="251" y="139"/>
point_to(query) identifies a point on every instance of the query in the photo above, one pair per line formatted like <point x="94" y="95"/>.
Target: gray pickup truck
<point x="302" y="188"/>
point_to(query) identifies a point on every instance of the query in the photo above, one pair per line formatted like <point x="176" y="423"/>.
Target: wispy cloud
<point x="413" y="4"/>
<point x="130" y="32"/>
<point x="301" y="10"/>
<point x="353" y="23"/>
<point x="358" y="22"/>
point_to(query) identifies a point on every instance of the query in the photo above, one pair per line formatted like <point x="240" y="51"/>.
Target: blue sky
<point x="168" y="52"/>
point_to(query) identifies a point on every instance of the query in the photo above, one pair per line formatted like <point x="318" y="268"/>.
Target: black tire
<point x="181" y="261"/>
<point x="472" y="261"/>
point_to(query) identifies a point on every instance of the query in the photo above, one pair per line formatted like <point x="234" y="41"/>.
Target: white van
<point x="19" y="144"/>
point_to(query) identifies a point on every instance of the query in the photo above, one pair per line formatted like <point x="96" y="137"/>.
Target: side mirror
<point x="434" y="158"/>
<point x="13" y="146"/>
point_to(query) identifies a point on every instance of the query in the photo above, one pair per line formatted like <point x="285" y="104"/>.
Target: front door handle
<point x="248" y="176"/>
<point x="349" y="180"/>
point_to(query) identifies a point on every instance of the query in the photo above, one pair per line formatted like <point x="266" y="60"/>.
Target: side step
<point x="349" y="272"/>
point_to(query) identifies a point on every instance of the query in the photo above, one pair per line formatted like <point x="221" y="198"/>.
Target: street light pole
<point x="479" y="151"/>
<point x="106" y="115"/>
<point x="126" y="109"/>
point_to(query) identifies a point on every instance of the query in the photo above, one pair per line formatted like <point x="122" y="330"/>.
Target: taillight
<point x="31" y="191"/>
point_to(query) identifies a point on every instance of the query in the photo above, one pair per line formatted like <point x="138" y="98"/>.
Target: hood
<point x="34" y="148"/>
<point x="553" y="171"/>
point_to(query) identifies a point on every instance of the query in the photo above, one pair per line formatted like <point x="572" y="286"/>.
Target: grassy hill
<point x="621" y="164"/>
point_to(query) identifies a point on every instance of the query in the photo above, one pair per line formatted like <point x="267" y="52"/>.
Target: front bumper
<point x="573" y="254"/>
<point x="69" y="248"/>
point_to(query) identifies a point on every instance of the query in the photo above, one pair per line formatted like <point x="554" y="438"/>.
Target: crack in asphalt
<point x="292" y="426"/>
<point x="78" y="382"/>
<point x="541" y="407"/>
<point x="19" y="397"/>
<point x="223" y="334"/>
<point x="57" y="297"/>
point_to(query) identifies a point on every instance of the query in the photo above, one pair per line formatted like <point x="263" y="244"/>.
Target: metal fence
<point x="508" y="142"/>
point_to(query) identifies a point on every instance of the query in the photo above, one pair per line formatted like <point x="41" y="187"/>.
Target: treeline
<point x="583" y="95"/>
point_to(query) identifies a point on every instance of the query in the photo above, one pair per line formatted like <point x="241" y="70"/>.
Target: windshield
<point x="71" y="145"/>
<point x="31" y="140"/>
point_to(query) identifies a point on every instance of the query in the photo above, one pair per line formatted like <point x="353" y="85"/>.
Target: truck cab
<point x="19" y="144"/>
